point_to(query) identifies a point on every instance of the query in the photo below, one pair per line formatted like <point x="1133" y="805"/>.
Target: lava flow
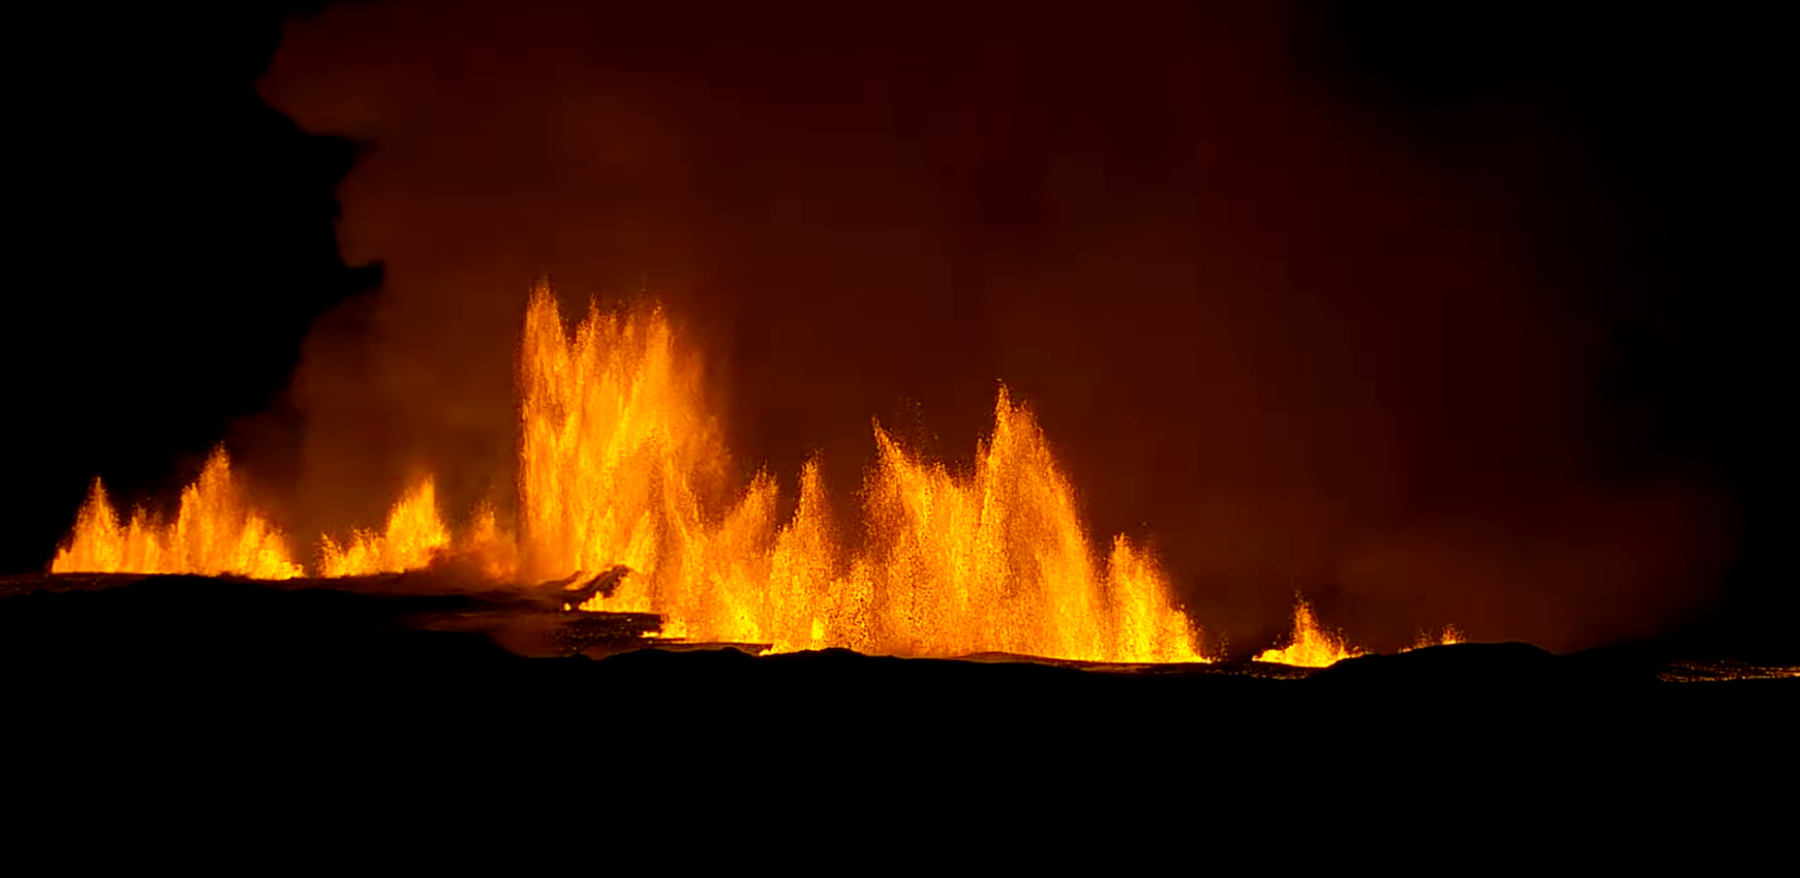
<point x="215" y="532"/>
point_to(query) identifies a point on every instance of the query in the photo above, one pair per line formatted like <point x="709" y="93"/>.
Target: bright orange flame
<point x="414" y="534"/>
<point x="1000" y="562"/>
<point x="619" y="462"/>
<point x="617" y="454"/>
<point x="215" y="532"/>
<point x="613" y="437"/>
<point x="1310" y="646"/>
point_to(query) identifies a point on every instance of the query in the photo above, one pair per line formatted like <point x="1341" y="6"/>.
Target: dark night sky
<point x="1436" y="315"/>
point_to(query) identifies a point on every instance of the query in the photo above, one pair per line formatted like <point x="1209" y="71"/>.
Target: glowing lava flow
<point x="1309" y="646"/>
<point x="215" y="532"/>
<point x="617" y="459"/>
<point x="414" y="534"/>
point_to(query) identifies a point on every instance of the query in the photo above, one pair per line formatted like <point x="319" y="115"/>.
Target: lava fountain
<point x="622" y="480"/>
<point x="1309" y="645"/>
<point x="414" y="534"/>
<point x="622" y="468"/>
<point x="617" y="456"/>
<point x="215" y="532"/>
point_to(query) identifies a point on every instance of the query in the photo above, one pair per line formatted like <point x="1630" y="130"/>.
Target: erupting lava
<point x="1309" y="645"/>
<point x="1451" y="634"/>
<point x="414" y="533"/>
<point x="623" y="474"/>
<point x="618" y="459"/>
<point x="215" y="532"/>
<point x="620" y="464"/>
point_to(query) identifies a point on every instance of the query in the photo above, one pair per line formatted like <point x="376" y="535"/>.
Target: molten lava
<point x="999" y="561"/>
<point x="1451" y="634"/>
<point x="614" y="441"/>
<point x="1309" y="645"/>
<point x="414" y="534"/>
<point x="618" y="458"/>
<point x="622" y="472"/>
<point x="215" y="532"/>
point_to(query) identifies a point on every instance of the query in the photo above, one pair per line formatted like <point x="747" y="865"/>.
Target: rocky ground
<point x="186" y="674"/>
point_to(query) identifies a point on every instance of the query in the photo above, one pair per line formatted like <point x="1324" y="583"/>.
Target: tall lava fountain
<point x="617" y="454"/>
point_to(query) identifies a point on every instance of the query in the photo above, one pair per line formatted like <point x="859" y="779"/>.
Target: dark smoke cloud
<point x="1263" y="328"/>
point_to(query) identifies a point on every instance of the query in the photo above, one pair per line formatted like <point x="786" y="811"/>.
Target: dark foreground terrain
<point x="186" y="677"/>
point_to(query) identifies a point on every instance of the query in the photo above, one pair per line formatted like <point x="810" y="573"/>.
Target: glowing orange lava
<point x="414" y="534"/>
<point x="215" y="532"/>
<point x="618" y="458"/>
<point x="622" y="464"/>
<point x="614" y="443"/>
<point x="1451" y="634"/>
<point x="1309" y="645"/>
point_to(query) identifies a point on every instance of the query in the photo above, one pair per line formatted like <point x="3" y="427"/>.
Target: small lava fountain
<point x="215" y="532"/>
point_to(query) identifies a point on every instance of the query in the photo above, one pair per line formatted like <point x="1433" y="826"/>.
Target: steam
<point x="1295" y="354"/>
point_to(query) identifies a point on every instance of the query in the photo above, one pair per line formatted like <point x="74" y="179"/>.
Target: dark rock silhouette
<point x="185" y="677"/>
<point x="1476" y="668"/>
